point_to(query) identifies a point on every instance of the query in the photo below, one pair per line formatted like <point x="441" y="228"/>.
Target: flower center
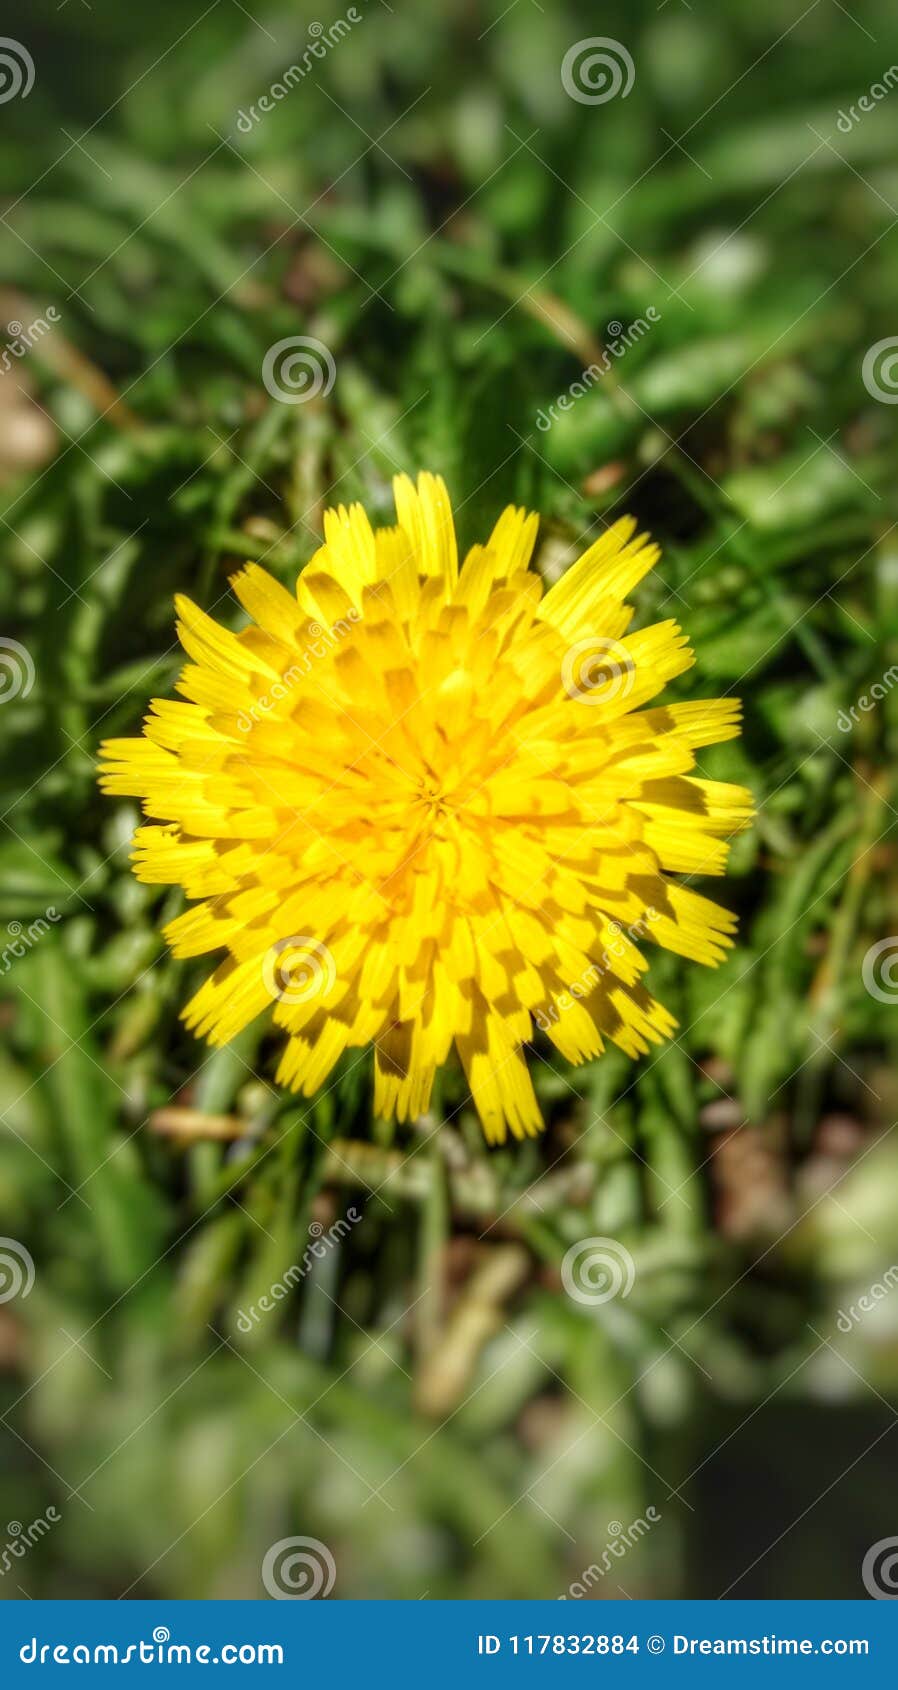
<point x="431" y="798"/>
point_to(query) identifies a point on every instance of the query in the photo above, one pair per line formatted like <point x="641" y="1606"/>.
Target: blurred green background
<point x="465" y="237"/>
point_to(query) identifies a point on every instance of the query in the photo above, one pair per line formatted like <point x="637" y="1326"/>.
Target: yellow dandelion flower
<point x="421" y="805"/>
